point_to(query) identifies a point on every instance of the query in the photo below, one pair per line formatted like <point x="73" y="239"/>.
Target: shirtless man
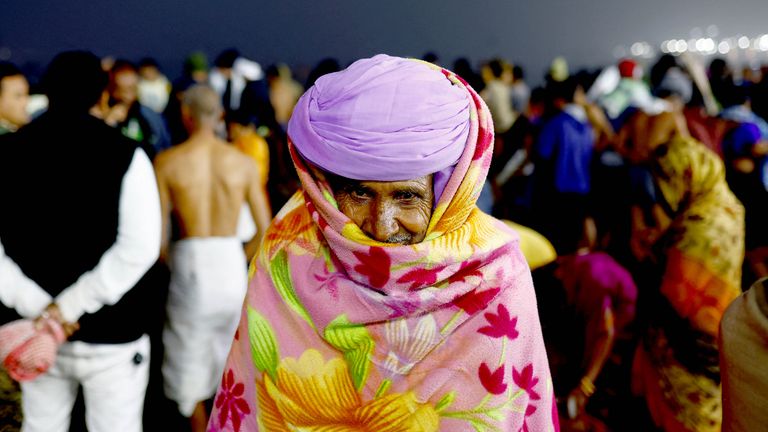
<point x="203" y="184"/>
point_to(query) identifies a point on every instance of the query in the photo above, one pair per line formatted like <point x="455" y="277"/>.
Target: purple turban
<point x="383" y="119"/>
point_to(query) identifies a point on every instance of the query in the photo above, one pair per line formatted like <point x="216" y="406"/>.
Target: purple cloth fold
<point x="368" y="122"/>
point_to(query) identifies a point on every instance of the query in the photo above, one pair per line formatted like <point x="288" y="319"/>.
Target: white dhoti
<point x="208" y="284"/>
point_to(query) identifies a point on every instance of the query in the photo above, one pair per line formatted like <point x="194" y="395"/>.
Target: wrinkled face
<point x="14" y="95"/>
<point x="390" y="212"/>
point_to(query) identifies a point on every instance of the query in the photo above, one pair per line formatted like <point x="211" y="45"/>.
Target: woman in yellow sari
<point x="694" y="233"/>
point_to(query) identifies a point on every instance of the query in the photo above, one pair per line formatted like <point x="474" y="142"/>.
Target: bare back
<point x="207" y="182"/>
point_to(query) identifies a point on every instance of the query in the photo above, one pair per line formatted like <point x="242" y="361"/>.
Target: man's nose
<point x="383" y="224"/>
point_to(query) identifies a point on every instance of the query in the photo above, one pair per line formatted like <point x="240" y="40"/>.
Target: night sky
<point x="301" y="32"/>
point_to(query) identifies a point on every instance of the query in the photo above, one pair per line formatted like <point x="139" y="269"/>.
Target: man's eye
<point x="360" y="193"/>
<point x="407" y="196"/>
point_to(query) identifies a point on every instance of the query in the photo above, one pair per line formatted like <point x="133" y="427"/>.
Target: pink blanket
<point x="340" y="332"/>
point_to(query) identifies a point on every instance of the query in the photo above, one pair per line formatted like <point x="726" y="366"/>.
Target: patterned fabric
<point x="677" y="366"/>
<point x="340" y="332"/>
<point x="28" y="349"/>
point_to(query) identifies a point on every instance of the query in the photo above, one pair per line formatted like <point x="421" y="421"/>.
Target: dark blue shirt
<point x="566" y="144"/>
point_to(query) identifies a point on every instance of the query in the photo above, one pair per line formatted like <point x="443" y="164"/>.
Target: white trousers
<point x="209" y="279"/>
<point x="114" y="380"/>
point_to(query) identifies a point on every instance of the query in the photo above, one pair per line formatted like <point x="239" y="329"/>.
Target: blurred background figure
<point x="120" y="107"/>
<point x="14" y="96"/>
<point x="284" y="92"/>
<point x="154" y="87"/>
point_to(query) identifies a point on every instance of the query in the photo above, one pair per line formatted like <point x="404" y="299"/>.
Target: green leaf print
<point x="446" y="401"/>
<point x="355" y="342"/>
<point x="280" y="272"/>
<point x="263" y="344"/>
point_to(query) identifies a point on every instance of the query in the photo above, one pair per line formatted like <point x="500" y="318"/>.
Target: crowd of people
<point x="639" y="194"/>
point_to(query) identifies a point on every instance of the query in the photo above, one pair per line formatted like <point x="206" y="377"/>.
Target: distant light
<point x="743" y="42"/>
<point x="682" y="46"/>
<point x="713" y="31"/>
<point x="709" y="45"/>
<point x="637" y="49"/>
<point x="692" y="45"/>
<point x="762" y="43"/>
<point x="671" y="45"/>
<point x="724" y="47"/>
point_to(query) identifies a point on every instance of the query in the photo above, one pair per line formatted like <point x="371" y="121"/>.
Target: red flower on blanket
<point x="500" y="324"/>
<point x="529" y="412"/>
<point x="475" y="301"/>
<point x="467" y="269"/>
<point x="230" y="402"/>
<point x="526" y="381"/>
<point x="493" y="382"/>
<point x="375" y="265"/>
<point x="421" y="277"/>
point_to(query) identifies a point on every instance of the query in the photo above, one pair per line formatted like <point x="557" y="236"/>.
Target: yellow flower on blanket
<point x="311" y="394"/>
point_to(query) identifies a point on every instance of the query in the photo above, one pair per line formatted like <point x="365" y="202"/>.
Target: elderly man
<point x="382" y="298"/>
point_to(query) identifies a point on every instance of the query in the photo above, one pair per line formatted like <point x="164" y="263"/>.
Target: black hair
<point x="149" y="62"/>
<point x="326" y="66"/>
<point x="226" y="59"/>
<point x="660" y="69"/>
<point x="430" y="57"/>
<point x="564" y="90"/>
<point x="734" y="95"/>
<point x="517" y="72"/>
<point x="272" y="71"/>
<point x="243" y="117"/>
<point x="497" y="68"/>
<point x="74" y="81"/>
<point x="718" y="68"/>
<point x="538" y="96"/>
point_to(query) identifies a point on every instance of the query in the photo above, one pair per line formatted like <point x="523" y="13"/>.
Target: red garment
<point x="28" y="348"/>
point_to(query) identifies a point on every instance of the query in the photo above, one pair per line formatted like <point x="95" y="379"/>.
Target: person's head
<point x="74" y="81"/>
<point x="324" y="67"/>
<point x="225" y="61"/>
<point x="201" y="108"/>
<point x="537" y="103"/>
<point x="629" y="68"/>
<point x="718" y="69"/>
<point x="387" y="133"/>
<point x="564" y="92"/>
<point x="14" y="95"/>
<point x="734" y="96"/>
<point x="517" y="73"/>
<point x="644" y="134"/>
<point x="124" y="83"/>
<point x="493" y="70"/>
<point x="431" y="57"/>
<point x="196" y="67"/>
<point x="240" y="123"/>
<point x="149" y="70"/>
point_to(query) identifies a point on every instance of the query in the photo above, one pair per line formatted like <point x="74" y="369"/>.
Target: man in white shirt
<point x="80" y="227"/>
